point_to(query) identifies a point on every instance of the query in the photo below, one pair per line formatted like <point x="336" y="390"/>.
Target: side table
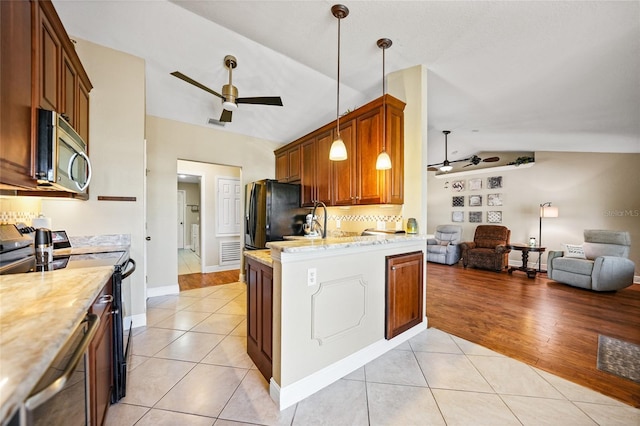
<point x="525" y="249"/>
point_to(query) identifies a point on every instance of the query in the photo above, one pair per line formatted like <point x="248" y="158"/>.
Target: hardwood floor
<point x="191" y="281"/>
<point x="543" y="323"/>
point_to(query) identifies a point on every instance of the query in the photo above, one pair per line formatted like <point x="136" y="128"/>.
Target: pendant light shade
<point x="338" y="150"/>
<point x="384" y="161"/>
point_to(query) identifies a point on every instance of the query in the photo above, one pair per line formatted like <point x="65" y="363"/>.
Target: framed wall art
<point x="457" y="201"/>
<point x="475" y="217"/>
<point x="457" y="186"/>
<point x="475" y="184"/>
<point x="475" y="200"/>
<point x="494" y="182"/>
<point x="494" y="217"/>
<point x="457" y="216"/>
<point x="494" y="199"/>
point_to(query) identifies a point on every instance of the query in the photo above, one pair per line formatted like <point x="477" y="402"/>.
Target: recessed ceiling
<point x="502" y="76"/>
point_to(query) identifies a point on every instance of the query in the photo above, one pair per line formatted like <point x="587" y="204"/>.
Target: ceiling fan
<point x="229" y="96"/>
<point x="446" y="166"/>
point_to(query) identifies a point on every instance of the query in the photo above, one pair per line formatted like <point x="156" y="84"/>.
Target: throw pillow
<point x="574" y="250"/>
<point x="444" y="243"/>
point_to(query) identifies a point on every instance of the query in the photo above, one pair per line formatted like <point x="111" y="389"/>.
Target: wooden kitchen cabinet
<point x="16" y="114"/>
<point x="316" y="168"/>
<point x="100" y="357"/>
<point x="40" y="69"/>
<point x="288" y="164"/>
<point x="260" y="315"/>
<point x="355" y="180"/>
<point x="404" y="292"/>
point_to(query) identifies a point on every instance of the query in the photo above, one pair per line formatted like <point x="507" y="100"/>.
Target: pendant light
<point x="384" y="161"/>
<point x="338" y="150"/>
<point x="446" y="166"/>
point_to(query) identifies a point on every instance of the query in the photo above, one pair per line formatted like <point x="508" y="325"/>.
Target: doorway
<point x="188" y="218"/>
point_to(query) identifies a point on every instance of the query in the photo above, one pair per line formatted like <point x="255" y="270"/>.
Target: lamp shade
<point x="549" y="211"/>
<point x="383" y="162"/>
<point x="338" y="151"/>
<point x="446" y="167"/>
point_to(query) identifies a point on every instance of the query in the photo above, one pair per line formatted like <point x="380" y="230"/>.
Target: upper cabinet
<point x="288" y="165"/>
<point x="40" y="69"/>
<point x="355" y="180"/>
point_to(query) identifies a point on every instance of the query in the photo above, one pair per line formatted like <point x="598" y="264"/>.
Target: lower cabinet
<point x="260" y="315"/>
<point x="101" y="357"/>
<point x="404" y="292"/>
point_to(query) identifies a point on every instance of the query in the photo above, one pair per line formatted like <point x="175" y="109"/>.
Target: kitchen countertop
<point x="262" y="256"/>
<point x="38" y="312"/>
<point x="313" y="244"/>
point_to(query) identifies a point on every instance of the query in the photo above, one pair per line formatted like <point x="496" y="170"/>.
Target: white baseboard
<point x="163" y="291"/>
<point x="296" y="392"/>
<point x="139" y="320"/>
<point x="218" y="268"/>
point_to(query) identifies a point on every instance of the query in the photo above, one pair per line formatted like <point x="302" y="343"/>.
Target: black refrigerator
<point x="272" y="210"/>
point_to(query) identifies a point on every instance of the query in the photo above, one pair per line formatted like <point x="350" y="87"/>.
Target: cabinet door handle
<point x="107" y="298"/>
<point x="393" y="268"/>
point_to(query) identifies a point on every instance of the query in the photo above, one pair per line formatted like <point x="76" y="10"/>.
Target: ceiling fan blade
<point x="261" y="100"/>
<point x="432" y="169"/>
<point x="225" y="117"/>
<point x="491" y="159"/>
<point x="195" y="83"/>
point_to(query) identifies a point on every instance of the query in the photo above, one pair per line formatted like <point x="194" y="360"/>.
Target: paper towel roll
<point x="41" y="222"/>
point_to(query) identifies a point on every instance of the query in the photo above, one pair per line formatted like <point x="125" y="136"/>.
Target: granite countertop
<point x="38" y="311"/>
<point x="313" y="244"/>
<point x="262" y="256"/>
<point x="90" y="250"/>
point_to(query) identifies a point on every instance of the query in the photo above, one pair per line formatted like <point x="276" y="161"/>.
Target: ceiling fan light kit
<point x="338" y="151"/>
<point x="229" y="96"/>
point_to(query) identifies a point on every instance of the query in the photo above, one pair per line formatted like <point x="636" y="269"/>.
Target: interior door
<point x="181" y="211"/>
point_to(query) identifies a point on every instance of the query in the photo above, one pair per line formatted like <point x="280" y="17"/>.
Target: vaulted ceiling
<point x="502" y="75"/>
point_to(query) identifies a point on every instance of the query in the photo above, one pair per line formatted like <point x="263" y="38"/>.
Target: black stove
<point x="74" y="261"/>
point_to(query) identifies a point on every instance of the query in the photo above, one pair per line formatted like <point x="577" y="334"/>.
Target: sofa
<point x="601" y="263"/>
<point x="489" y="248"/>
<point x="444" y="247"/>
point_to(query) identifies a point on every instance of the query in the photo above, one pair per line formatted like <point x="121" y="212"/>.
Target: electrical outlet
<point x="312" y="276"/>
<point x="381" y="225"/>
<point x="338" y="223"/>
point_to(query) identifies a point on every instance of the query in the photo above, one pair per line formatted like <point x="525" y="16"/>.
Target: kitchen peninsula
<point x="333" y="304"/>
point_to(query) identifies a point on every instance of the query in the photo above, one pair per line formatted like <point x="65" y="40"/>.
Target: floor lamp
<point x="546" y="210"/>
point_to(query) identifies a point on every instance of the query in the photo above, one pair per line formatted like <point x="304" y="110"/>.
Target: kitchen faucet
<point x="323" y="229"/>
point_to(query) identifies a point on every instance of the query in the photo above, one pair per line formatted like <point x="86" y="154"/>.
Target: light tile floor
<point x="189" y="367"/>
<point x="188" y="262"/>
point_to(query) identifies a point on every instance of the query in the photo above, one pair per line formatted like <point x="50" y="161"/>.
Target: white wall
<point x="116" y="149"/>
<point x="169" y="141"/>
<point x="591" y="191"/>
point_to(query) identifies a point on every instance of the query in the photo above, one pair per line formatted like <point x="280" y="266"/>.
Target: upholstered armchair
<point x="489" y="248"/>
<point x="601" y="264"/>
<point x="445" y="246"/>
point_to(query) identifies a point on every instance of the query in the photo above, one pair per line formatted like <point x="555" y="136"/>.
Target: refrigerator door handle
<point x="251" y="215"/>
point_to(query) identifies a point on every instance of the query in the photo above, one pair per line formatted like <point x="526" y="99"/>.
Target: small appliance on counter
<point x="44" y="247"/>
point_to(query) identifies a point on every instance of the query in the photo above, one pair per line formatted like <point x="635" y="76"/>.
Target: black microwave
<point x="62" y="163"/>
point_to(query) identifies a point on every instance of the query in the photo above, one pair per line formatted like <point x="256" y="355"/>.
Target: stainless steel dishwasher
<point x="61" y="397"/>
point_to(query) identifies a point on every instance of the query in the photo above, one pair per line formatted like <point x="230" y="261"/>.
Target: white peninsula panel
<point x="329" y="310"/>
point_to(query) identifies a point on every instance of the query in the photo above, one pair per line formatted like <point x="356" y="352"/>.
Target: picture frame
<point x="457" y="201"/>
<point x="457" y="216"/>
<point x="494" y="216"/>
<point x="475" y="200"/>
<point x="494" y="182"/>
<point x="494" y="199"/>
<point x="475" y="184"/>
<point x="457" y="186"/>
<point x="475" y="217"/>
